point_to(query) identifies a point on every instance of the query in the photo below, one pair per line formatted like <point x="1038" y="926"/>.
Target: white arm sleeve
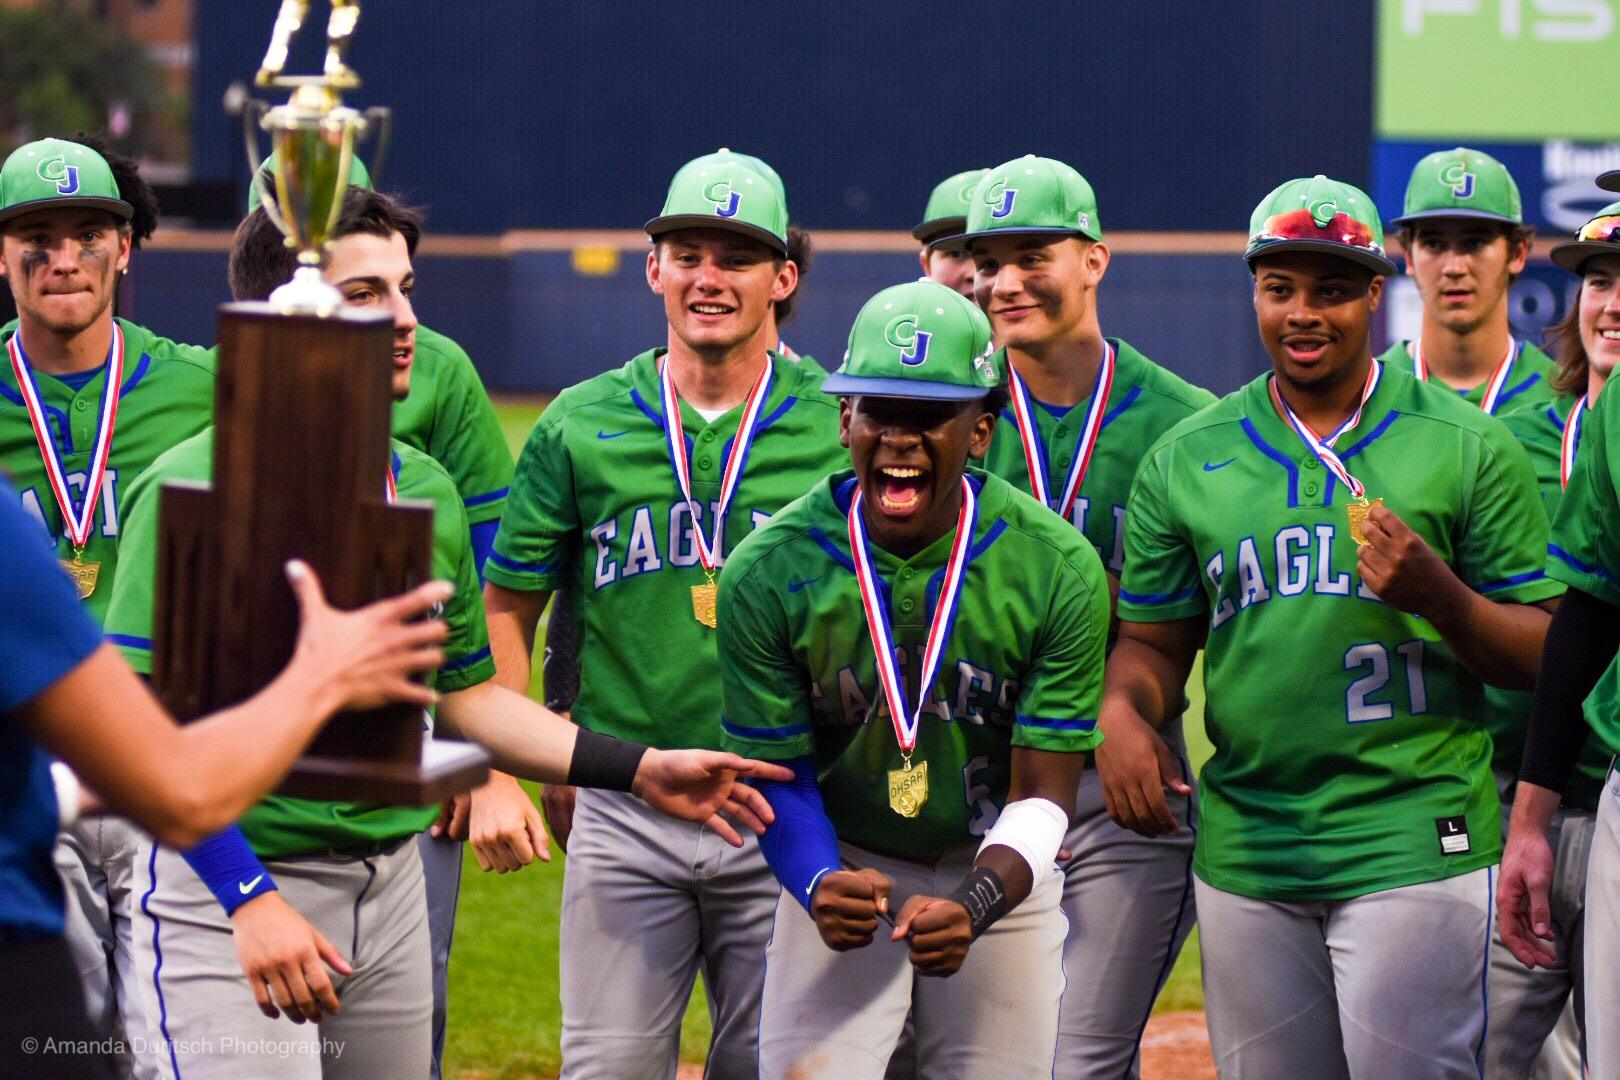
<point x="1032" y="827"/>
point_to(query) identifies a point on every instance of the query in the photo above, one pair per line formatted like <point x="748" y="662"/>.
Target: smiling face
<point x="1600" y="313"/>
<point x="1314" y="311"/>
<point x="718" y="286"/>
<point x="63" y="266"/>
<point x="1039" y="289"/>
<point x="1463" y="268"/>
<point x="952" y="269"/>
<point x="908" y="455"/>
<point x="374" y="273"/>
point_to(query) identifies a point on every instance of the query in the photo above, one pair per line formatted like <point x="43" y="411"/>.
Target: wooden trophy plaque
<point x="301" y="452"/>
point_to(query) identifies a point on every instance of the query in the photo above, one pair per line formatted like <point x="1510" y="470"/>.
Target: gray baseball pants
<point x="1601" y="947"/>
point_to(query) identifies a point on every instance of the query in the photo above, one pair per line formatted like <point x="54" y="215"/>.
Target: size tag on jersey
<point x="1453" y="835"/>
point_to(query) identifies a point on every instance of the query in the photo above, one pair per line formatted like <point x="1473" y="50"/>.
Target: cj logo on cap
<point x="725" y="200"/>
<point x="1001" y="197"/>
<point x="57" y="171"/>
<point x="903" y="334"/>
<point x="1457" y="177"/>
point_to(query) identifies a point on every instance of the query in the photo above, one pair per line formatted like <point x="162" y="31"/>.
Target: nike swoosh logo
<point x="247" y="886"/>
<point x="610" y="434"/>
<point x="795" y="584"/>
<point x="1212" y="466"/>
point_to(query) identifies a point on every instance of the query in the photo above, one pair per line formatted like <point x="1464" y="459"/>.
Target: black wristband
<point x="984" y="897"/>
<point x="1581" y="643"/>
<point x="601" y="761"/>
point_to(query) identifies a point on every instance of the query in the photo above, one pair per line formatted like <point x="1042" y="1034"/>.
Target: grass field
<point x="505" y="1019"/>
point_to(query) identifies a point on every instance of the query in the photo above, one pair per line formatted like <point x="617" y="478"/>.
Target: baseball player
<point x="447" y="415"/>
<point x="1555" y="826"/>
<point x="86" y="402"/>
<point x="631" y="489"/>
<point x="923" y="645"/>
<point x="944" y="218"/>
<point x="1352" y="608"/>
<point x="1083" y="412"/>
<point x="1465" y="239"/>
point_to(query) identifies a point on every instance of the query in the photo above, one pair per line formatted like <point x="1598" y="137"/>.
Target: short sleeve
<point x="1161" y="580"/>
<point x="1584" y="548"/>
<point x="474" y="449"/>
<point x="1501" y="551"/>
<point x="765" y="710"/>
<point x="1062" y="687"/>
<point x="467" y="657"/>
<point x="129" y="612"/>
<point x="44" y="632"/>
<point x="539" y="534"/>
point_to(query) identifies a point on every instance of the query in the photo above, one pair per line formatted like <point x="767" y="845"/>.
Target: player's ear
<point x="844" y="414"/>
<point x="1097" y="257"/>
<point x="655" y="280"/>
<point x="787" y="279"/>
<point x="922" y="260"/>
<point x="126" y="242"/>
<point x="1375" y="292"/>
<point x="984" y="429"/>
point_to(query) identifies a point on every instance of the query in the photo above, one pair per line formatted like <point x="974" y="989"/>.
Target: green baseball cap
<point x="1599" y="236"/>
<point x="946" y="213"/>
<point x="359" y="176"/>
<point x="918" y="340"/>
<point x="1461" y="183"/>
<point x="727" y="155"/>
<point x="1031" y="195"/>
<point x="1318" y="214"/>
<point x="725" y="194"/>
<point x="55" y="173"/>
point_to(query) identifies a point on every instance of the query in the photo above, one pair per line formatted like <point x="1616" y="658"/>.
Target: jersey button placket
<point x="1310" y="485"/>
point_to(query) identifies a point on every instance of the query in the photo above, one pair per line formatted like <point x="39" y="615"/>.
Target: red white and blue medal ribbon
<point x="76" y="520"/>
<point x="675" y="437"/>
<point x="1493" y="386"/>
<point x="1029" y="434"/>
<point x="1571" y="442"/>
<point x="1323" y="448"/>
<point x="908" y="720"/>
<point x="390" y="488"/>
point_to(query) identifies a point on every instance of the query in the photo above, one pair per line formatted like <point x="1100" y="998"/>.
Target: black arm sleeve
<point x="1581" y="642"/>
<point x="560" y="663"/>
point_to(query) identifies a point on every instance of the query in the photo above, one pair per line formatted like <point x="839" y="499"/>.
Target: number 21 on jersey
<point x="1373" y="660"/>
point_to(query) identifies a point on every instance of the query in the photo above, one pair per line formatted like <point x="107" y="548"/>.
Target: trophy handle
<point x="254" y="111"/>
<point x="379" y="119"/>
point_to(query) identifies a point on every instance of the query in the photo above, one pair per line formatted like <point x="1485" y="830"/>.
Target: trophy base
<point x="446" y="768"/>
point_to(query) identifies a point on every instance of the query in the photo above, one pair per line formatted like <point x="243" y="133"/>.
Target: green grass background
<point x="505" y="1017"/>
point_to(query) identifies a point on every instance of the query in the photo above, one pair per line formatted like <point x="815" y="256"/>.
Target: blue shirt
<point x="43" y="635"/>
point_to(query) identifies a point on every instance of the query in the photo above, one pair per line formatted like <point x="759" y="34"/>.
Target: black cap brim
<point x="932" y="232"/>
<point x="1378" y="264"/>
<point x="1610" y="181"/>
<point x="658" y="226"/>
<point x="116" y="207"/>
<point x="841" y="385"/>
<point x="1451" y="212"/>
<point x="1572" y="254"/>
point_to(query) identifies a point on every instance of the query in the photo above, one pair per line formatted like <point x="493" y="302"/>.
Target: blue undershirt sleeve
<point x="800" y="846"/>
<point x="230" y="869"/>
<point x="483" y="542"/>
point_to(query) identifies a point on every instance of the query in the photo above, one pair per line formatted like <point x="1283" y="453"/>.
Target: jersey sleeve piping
<point x="486" y="498"/>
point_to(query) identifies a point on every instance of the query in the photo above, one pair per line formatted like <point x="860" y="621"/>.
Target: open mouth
<point x="711" y="310"/>
<point x="1457" y="296"/>
<point x="901" y="489"/>
<point x="1306" y="350"/>
<point x="1610" y="336"/>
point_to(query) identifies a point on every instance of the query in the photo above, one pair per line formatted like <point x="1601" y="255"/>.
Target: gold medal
<point x="908" y="788"/>
<point x="1357" y="513"/>
<point x="704" y="598"/>
<point x="84" y="574"/>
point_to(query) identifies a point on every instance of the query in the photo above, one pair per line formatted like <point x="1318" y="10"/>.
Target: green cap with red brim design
<point x="946" y="212"/>
<point x="1461" y="183"/>
<point x="1321" y="215"/>
<point x="725" y="194"/>
<point x="918" y="340"/>
<point x="1599" y="236"/>
<point x="53" y="174"/>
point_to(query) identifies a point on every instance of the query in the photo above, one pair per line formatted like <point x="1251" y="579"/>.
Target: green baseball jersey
<point x="167" y="396"/>
<point x="1023" y="665"/>
<point x="448" y="417"/>
<point x="1584" y="551"/>
<point x="1349" y="756"/>
<point x="1528" y="383"/>
<point x="1145" y="401"/>
<point x="595" y="503"/>
<point x="802" y="359"/>
<point x="1541" y="431"/>
<point x="278" y="827"/>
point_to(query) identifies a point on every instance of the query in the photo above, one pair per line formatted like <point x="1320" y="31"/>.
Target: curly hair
<point x="802" y="252"/>
<point x="132" y="187"/>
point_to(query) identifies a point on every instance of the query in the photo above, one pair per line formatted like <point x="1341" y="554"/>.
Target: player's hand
<point x="940" y="932"/>
<point x="706" y="786"/>
<point x="500" y="821"/>
<point x="365" y="658"/>
<point x="846" y="906"/>
<point x="1136" y="767"/>
<point x="285" y="959"/>
<point x="1522" y="909"/>
<point x="557" y="800"/>
<point x="1400" y="566"/>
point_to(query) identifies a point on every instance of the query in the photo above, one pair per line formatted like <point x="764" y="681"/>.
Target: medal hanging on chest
<point x="76" y="521"/>
<point x="1493" y="386"/>
<point x="1035" y="456"/>
<point x="706" y="595"/>
<point x="1359" y="506"/>
<point x="908" y="785"/>
<point x="1571" y="442"/>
